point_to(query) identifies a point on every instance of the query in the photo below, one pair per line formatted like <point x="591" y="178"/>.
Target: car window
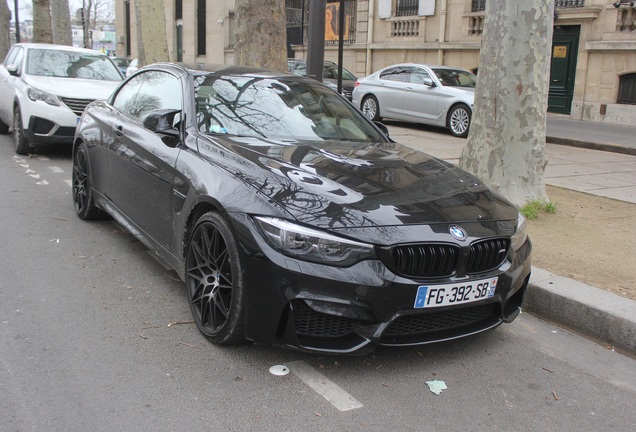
<point x="396" y="74"/>
<point x="418" y="76"/>
<point x="147" y="92"/>
<point x="277" y="108"/>
<point x="70" y="64"/>
<point x="10" y="58"/>
<point x="332" y="72"/>
<point x="455" y="77"/>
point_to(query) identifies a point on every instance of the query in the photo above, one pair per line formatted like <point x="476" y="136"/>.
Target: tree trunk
<point x="5" y="35"/>
<point x="152" y="45"/>
<point x="506" y="143"/>
<point x="42" y="32"/>
<point x="61" y="20"/>
<point x="260" y="34"/>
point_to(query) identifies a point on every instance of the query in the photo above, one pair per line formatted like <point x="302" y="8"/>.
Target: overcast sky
<point x="25" y="8"/>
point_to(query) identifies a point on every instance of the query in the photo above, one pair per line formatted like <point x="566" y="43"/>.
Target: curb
<point x="613" y="148"/>
<point x="595" y="313"/>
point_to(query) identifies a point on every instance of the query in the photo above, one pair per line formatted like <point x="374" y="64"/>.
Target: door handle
<point x="119" y="130"/>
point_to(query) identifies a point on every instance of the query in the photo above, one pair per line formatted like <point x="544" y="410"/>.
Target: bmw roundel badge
<point x="458" y="232"/>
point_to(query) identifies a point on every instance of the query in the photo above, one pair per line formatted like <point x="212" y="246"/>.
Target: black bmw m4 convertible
<point x="293" y="219"/>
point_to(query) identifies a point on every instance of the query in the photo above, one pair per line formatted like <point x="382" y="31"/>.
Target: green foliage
<point x="533" y="209"/>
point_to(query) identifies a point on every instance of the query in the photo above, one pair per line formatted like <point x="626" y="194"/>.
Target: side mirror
<point x="163" y="121"/>
<point x="383" y="128"/>
<point x="428" y="82"/>
<point x="12" y="69"/>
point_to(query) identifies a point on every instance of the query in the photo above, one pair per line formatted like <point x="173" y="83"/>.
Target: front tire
<point x="214" y="281"/>
<point x="371" y="108"/>
<point x="459" y="120"/>
<point x="82" y="186"/>
<point x="20" y="143"/>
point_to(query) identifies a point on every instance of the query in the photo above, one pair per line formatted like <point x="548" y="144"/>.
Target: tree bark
<point x="61" y="22"/>
<point x="152" y="45"/>
<point x="42" y="32"/>
<point x="5" y="35"/>
<point x="506" y="142"/>
<point x="260" y="34"/>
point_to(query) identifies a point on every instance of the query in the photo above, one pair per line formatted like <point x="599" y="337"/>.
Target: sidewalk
<point x="577" y="165"/>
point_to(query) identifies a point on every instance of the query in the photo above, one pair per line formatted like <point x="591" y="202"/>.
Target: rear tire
<point x="371" y="108"/>
<point x="20" y="143"/>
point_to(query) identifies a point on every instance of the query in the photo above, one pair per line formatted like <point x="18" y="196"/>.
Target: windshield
<point x="285" y="108"/>
<point x="71" y="64"/>
<point x="455" y="78"/>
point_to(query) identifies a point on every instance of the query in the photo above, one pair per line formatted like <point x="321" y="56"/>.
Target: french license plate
<point x="429" y="296"/>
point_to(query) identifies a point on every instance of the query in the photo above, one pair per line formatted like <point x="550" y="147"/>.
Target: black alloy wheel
<point x="20" y="143"/>
<point x="82" y="189"/>
<point x="214" y="281"/>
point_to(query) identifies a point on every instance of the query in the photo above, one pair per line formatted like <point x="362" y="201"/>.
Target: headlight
<point x="36" y="95"/>
<point x="313" y="245"/>
<point x="520" y="235"/>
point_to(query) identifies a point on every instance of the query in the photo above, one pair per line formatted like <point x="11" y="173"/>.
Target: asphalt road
<point x="86" y="343"/>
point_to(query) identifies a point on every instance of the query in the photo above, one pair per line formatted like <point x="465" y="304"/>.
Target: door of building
<point x="565" y="46"/>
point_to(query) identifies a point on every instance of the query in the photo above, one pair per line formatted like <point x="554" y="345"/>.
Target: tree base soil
<point x="590" y="239"/>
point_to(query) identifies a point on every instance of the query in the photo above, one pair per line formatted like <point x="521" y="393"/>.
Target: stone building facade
<point x="593" y="75"/>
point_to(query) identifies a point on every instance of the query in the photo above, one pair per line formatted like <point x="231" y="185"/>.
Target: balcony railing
<point x="405" y="28"/>
<point x="480" y="5"/>
<point x="625" y="18"/>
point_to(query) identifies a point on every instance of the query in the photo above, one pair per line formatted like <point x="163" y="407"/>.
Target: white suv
<point x="44" y="89"/>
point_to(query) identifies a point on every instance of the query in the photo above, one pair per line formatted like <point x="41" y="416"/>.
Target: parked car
<point x="132" y="67"/>
<point x="122" y="64"/>
<point x="329" y="76"/>
<point x="45" y="88"/>
<point x="433" y="95"/>
<point x="292" y="219"/>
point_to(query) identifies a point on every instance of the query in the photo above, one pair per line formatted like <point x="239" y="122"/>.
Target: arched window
<point x="627" y="89"/>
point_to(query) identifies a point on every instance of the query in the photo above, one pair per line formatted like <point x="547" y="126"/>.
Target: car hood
<point x="349" y="184"/>
<point x="73" y="87"/>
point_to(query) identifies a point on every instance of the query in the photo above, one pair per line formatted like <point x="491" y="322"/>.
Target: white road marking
<point x="35" y="176"/>
<point x="323" y="386"/>
<point x="42" y="183"/>
<point x="56" y="169"/>
<point x="69" y="182"/>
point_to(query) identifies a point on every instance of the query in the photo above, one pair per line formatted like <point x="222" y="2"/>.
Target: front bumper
<point x="320" y="308"/>
<point x="46" y="124"/>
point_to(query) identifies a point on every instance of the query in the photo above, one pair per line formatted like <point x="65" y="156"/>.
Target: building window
<point x="627" y="89"/>
<point x="478" y="5"/>
<point x="178" y="9"/>
<point x="201" y="30"/>
<point x="406" y="7"/>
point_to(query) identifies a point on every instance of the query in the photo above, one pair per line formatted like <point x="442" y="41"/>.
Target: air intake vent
<point x="487" y="255"/>
<point x="425" y="260"/>
<point x="77" y="105"/>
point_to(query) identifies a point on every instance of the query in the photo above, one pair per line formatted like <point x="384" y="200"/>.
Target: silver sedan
<point x="434" y="95"/>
